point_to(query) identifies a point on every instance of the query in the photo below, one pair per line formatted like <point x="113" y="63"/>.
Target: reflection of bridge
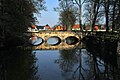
<point x="61" y="46"/>
<point x="62" y="35"/>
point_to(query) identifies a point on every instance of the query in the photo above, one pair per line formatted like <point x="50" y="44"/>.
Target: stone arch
<point x="71" y="40"/>
<point x="58" y="42"/>
<point x="35" y="41"/>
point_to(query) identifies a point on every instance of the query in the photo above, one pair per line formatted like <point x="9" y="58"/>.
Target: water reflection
<point x="17" y="64"/>
<point x="36" y="41"/>
<point x="71" y="40"/>
<point x="104" y="59"/>
<point x="97" y="61"/>
<point x="91" y="64"/>
<point x="54" y="41"/>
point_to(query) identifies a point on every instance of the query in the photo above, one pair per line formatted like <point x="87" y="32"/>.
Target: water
<point x="36" y="40"/>
<point x="96" y="61"/>
<point x="53" y="41"/>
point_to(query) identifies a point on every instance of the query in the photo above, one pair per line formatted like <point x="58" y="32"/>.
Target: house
<point x="103" y="27"/>
<point x="47" y="27"/>
<point x="32" y="28"/>
<point x="41" y="28"/>
<point x="87" y="27"/>
<point x="58" y="27"/>
<point x="76" y="27"/>
<point x="96" y="27"/>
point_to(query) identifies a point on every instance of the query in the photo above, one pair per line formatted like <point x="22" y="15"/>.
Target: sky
<point x="49" y="17"/>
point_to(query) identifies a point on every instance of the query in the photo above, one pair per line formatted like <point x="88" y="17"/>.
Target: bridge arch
<point x="71" y="40"/>
<point x="62" y="35"/>
<point x="35" y="41"/>
<point x="58" y="41"/>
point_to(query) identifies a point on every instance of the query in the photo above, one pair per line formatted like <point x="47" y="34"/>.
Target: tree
<point x="15" y="17"/>
<point x="67" y="13"/>
<point x="114" y="14"/>
<point x="93" y="12"/>
<point x="111" y="11"/>
<point x="79" y="4"/>
<point x="117" y="15"/>
<point x="96" y="8"/>
<point x="106" y="6"/>
<point x="88" y="12"/>
<point x="67" y="18"/>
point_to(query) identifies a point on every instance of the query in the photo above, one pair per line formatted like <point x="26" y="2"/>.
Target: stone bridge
<point x="45" y="35"/>
<point x="62" y="35"/>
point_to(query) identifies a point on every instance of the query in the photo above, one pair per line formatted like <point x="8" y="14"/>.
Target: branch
<point x="77" y="3"/>
<point x="83" y="2"/>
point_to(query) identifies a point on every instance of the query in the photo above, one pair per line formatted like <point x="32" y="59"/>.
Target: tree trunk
<point x="69" y="28"/>
<point x="106" y="13"/>
<point x="113" y="16"/>
<point x="96" y="5"/>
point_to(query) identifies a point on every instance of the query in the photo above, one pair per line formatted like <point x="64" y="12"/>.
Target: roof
<point x="76" y="26"/>
<point x="33" y="26"/>
<point x="40" y="27"/>
<point x="47" y="27"/>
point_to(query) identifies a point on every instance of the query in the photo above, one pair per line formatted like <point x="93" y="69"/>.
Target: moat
<point x="94" y="60"/>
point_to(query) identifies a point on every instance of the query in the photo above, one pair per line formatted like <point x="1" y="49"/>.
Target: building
<point x="96" y="27"/>
<point x="47" y="27"/>
<point x="32" y="28"/>
<point x="58" y="27"/>
<point x="41" y="28"/>
<point x="87" y="28"/>
<point x="76" y="27"/>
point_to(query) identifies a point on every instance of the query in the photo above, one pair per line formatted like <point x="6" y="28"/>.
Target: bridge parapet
<point x="62" y="35"/>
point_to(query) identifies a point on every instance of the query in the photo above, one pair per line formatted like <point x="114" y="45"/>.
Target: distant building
<point x="96" y="27"/>
<point x="59" y="28"/>
<point x="41" y="28"/>
<point x="87" y="27"/>
<point x="32" y="28"/>
<point x="76" y="27"/>
<point x="47" y="27"/>
<point x="103" y="27"/>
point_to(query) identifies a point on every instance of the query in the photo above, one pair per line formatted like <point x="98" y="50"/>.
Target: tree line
<point x="90" y="12"/>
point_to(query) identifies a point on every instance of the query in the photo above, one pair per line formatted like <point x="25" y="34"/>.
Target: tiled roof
<point x="33" y="26"/>
<point x="40" y="27"/>
<point x="76" y="26"/>
<point x="48" y="27"/>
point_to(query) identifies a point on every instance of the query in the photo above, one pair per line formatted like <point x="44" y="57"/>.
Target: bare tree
<point x="67" y="18"/>
<point x="117" y="19"/>
<point x="112" y="14"/>
<point x="67" y="13"/>
<point x="93" y="12"/>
